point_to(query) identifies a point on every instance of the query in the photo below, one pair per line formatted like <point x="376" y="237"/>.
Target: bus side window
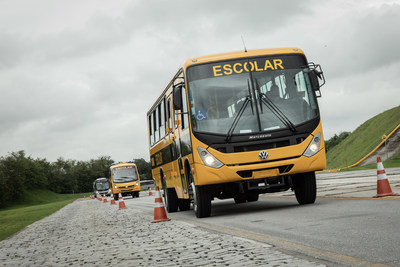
<point x="185" y="114"/>
<point x="163" y="118"/>
<point x="151" y="129"/>
<point x="169" y="114"/>
<point x="160" y="121"/>
<point x="155" y="115"/>
<point x="176" y="117"/>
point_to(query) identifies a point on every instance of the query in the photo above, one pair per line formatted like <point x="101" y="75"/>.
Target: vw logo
<point x="263" y="155"/>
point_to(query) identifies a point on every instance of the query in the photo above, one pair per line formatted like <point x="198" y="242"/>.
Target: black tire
<point x="116" y="197"/>
<point x="170" y="198"/>
<point x="137" y="193"/>
<point x="305" y="187"/>
<point x="252" y="197"/>
<point x="239" y="199"/>
<point x="201" y="201"/>
<point x="184" y="204"/>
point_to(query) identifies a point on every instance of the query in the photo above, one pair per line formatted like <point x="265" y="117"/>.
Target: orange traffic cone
<point x="112" y="201"/>
<point x="383" y="188"/>
<point x="121" y="202"/>
<point x="98" y="196"/>
<point x="159" y="211"/>
<point x="150" y="193"/>
<point x="105" y="199"/>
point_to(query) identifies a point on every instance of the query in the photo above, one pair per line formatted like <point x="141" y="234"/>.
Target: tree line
<point x="20" y="173"/>
<point x="335" y="140"/>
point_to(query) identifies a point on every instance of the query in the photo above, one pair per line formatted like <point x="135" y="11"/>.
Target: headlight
<point x="314" y="145"/>
<point x="116" y="187"/>
<point x="208" y="159"/>
<point x="109" y="190"/>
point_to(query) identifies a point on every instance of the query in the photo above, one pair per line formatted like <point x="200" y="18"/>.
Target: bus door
<point x="177" y="147"/>
<point x="174" y="140"/>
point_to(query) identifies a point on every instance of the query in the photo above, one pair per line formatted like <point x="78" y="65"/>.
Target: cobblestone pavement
<point x="92" y="233"/>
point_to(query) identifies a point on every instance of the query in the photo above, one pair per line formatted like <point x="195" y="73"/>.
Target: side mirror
<point x="316" y="74"/>
<point x="314" y="80"/>
<point x="177" y="97"/>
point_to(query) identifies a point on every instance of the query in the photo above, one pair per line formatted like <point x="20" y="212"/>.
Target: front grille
<point x="246" y="148"/>
<point x="249" y="173"/>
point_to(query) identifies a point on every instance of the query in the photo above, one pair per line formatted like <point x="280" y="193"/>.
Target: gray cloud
<point x="76" y="79"/>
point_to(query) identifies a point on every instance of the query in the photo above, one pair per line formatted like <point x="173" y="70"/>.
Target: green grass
<point x="34" y="206"/>
<point x="363" y="140"/>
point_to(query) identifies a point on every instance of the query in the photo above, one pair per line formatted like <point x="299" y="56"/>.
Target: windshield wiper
<point x="278" y="113"/>
<point x="237" y="118"/>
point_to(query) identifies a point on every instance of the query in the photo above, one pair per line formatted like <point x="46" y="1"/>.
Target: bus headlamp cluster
<point x="208" y="159"/>
<point x="313" y="147"/>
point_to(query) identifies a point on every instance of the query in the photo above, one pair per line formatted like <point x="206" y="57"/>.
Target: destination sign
<point x="239" y="67"/>
<point x="243" y="65"/>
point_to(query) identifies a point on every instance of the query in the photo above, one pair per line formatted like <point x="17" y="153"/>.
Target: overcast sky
<point x="77" y="77"/>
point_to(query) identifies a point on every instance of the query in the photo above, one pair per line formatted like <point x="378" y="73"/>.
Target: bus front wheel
<point x="201" y="201"/>
<point x="305" y="187"/>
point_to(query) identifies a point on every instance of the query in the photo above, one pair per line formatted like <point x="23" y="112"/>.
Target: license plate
<point x="265" y="173"/>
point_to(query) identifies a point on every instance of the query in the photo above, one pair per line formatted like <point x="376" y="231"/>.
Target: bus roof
<point x="241" y="54"/>
<point x="225" y="56"/>
<point x="123" y="164"/>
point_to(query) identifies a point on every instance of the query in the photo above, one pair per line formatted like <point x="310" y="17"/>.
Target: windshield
<point x="276" y="94"/>
<point x="125" y="174"/>
<point x="102" y="185"/>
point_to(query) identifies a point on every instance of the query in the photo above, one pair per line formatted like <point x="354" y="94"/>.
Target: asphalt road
<point x="345" y="222"/>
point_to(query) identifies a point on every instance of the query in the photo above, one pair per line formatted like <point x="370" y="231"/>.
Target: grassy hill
<point x="365" y="138"/>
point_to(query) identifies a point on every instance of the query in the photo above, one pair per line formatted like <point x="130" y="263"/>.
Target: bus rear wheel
<point x="305" y="187"/>
<point x="170" y="198"/>
<point x="201" y="201"/>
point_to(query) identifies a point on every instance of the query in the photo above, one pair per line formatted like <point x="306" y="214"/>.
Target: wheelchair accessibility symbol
<point x="201" y="115"/>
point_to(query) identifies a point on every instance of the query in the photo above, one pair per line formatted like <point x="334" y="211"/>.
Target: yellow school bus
<point x="236" y="125"/>
<point x="124" y="179"/>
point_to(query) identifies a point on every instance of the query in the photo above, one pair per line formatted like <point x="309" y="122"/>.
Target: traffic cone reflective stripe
<point x="112" y="201"/>
<point x="383" y="186"/>
<point x="159" y="211"/>
<point x="121" y="202"/>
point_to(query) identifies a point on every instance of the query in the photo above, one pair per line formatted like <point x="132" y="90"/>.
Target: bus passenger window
<point x="151" y="122"/>
<point x="169" y="114"/>
<point x="185" y="114"/>
<point x="163" y="120"/>
<point x="156" y="132"/>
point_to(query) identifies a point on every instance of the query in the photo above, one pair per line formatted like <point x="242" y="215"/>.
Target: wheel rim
<point x="165" y="194"/>
<point x="194" y="197"/>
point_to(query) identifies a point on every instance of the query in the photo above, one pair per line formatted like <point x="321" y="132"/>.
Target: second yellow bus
<point x="124" y="179"/>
